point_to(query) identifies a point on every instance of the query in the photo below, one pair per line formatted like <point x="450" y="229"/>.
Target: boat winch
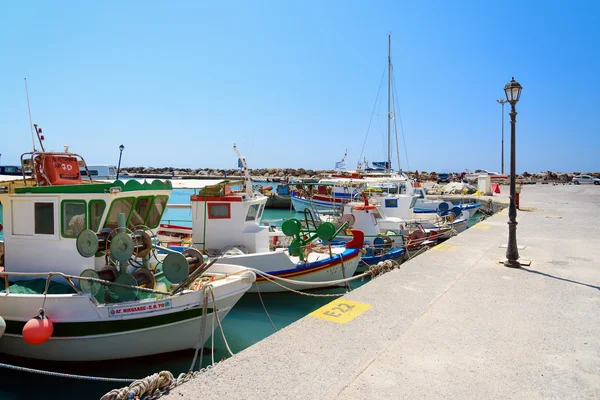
<point x="293" y="227"/>
<point x="126" y="249"/>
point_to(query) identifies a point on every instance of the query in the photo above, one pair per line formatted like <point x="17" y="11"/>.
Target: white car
<point x="585" y="179"/>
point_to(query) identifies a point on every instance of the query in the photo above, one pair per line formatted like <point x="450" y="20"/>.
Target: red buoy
<point x="38" y="329"/>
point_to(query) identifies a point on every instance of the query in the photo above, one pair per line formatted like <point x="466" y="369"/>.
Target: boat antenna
<point x="29" y="110"/>
<point x="242" y="162"/>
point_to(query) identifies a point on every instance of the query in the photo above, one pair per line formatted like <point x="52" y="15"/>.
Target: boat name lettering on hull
<point x="115" y="311"/>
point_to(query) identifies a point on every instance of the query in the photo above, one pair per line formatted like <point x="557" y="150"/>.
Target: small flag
<point x="240" y="165"/>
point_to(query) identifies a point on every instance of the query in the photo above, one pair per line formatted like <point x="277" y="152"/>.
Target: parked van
<point x="443" y="177"/>
<point x="103" y="172"/>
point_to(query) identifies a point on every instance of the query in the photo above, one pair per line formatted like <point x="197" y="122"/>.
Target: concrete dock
<point x="451" y="323"/>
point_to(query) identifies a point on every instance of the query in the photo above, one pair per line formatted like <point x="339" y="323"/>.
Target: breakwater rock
<point x="208" y="173"/>
<point x="277" y="174"/>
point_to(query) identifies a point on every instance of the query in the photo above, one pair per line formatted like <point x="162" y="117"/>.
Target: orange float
<point x="38" y="329"/>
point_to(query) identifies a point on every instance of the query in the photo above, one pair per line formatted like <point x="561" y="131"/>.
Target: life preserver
<point x="56" y="169"/>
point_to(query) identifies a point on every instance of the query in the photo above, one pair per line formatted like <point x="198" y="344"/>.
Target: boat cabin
<point x="44" y="214"/>
<point x="223" y="216"/>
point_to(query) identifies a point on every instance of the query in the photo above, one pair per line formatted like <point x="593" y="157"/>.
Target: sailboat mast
<point x="389" y="159"/>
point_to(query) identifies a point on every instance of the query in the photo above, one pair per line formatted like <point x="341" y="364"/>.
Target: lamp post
<point x="513" y="92"/>
<point x="121" y="148"/>
<point x="502" y="101"/>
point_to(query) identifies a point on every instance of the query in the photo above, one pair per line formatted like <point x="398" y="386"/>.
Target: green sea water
<point x="244" y="326"/>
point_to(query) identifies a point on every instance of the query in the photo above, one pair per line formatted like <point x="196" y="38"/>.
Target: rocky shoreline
<point x="277" y="174"/>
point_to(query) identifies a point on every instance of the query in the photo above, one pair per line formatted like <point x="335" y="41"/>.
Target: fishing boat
<point x="424" y="205"/>
<point x="329" y="194"/>
<point x="377" y="245"/>
<point x="495" y="177"/>
<point x="280" y="198"/>
<point x="82" y="278"/>
<point x="226" y="223"/>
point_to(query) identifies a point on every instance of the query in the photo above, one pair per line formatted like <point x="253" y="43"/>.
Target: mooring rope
<point x="264" y="307"/>
<point x="65" y="375"/>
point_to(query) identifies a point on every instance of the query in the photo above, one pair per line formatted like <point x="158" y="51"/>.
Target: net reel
<point x="121" y="248"/>
<point x="293" y="227"/>
<point x="383" y="244"/>
<point x="177" y="266"/>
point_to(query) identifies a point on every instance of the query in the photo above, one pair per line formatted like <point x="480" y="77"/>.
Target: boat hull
<point x="322" y="270"/>
<point x="300" y="204"/>
<point x="87" y="331"/>
<point x="430" y="207"/>
<point x="280" y="202"/>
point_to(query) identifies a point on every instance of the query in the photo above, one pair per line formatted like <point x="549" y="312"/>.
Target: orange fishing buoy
<point x="38" y="329"/>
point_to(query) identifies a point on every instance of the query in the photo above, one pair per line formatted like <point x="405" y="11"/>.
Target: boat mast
<point x="248" y="179"/>
<point x="389" y="158"/>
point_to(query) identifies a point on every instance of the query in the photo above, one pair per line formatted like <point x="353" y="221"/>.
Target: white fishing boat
<point x="329" y="194"/>
<point x="79" y="255"/>
<point x="424" y="205"/>
<point x="227" y="223"/>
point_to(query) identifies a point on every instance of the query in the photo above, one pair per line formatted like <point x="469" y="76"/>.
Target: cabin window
<point x="156" y="211"/>
<point x="413" y="202"/>
<point x="93" y="172"/>
<point x="260" y="212"/>
<point x="44" y="218"/>
<point x="118" y="206"/>
<point x="96" y="211"/>
<point x="140" y="211"/>
<point x="219" y="210"/>
<point x="10" y="170"/>
<point x="391" y="203"/>
<point x="252" y="212"/>
<point x="73" y="218"/>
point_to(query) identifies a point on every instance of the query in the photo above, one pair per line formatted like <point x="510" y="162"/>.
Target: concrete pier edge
<point x="451" y="323"/>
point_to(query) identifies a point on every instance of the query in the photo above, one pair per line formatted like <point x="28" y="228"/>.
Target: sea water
<point x="246" y="324"/>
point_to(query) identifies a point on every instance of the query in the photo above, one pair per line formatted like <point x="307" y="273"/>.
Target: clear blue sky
<point x="294" y="83"/>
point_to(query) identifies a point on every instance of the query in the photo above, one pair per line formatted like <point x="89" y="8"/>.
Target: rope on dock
<point x="148" y="385"/>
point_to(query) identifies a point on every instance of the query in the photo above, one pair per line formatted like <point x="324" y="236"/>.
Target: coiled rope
<point x="140" y="387"/>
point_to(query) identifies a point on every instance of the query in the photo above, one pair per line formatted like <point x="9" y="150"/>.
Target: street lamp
<point x="121" y="148"/>
<point x="502" y="101"/>
<point x="513" y="92"/>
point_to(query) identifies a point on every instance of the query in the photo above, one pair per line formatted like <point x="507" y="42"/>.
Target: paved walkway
<point x="452" y="323"/>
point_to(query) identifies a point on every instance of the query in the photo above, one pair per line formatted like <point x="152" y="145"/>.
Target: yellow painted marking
<point x="527" y="208"/>
<point x="341" y="311"/>
<point x="479" y="226"/>
<point x="445" y="247"/>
